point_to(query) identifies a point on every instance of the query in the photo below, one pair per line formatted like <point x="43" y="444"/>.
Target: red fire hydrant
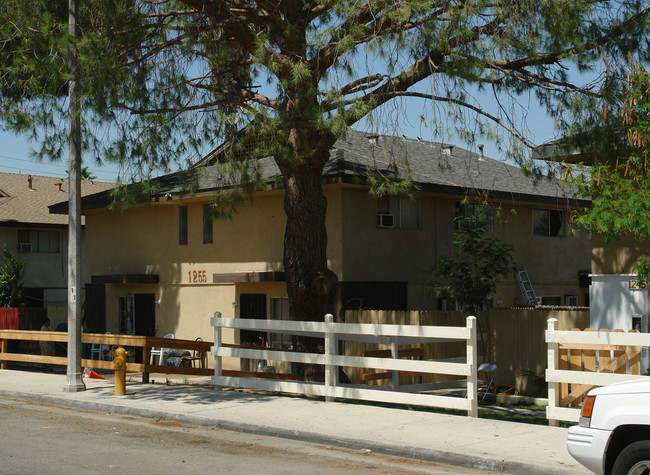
<point x="119" y="365"/>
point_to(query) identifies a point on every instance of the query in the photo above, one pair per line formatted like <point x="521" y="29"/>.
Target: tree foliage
<point x="619" y="185"/>
<point x="164" y="81"/>
<point x="474" y="265"/>
<point x="11" y="273"/>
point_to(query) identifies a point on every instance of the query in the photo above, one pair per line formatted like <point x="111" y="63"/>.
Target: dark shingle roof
<point x="435" y="167"/>
<point x="443" y="167"/>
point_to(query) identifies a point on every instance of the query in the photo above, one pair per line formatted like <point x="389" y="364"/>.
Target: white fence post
<point x="472" y="361"/>
<point x="552" y="356"/>
<point x="644" y="353"/>
<point x="214" y="321"/>
<point x="330" y="350"/>
<point x="394" y="353"/>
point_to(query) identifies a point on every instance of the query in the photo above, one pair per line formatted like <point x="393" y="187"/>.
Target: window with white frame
<point x="399" y="212"/>
<point x="32" y="240"/>
<point x="548" y="222"/>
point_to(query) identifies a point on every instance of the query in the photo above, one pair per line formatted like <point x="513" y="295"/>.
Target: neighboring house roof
<point x="24" y="199"/>
<point x="435" y="167"/>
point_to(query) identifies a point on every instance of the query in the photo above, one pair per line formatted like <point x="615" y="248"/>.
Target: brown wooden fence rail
<point x="130" y="342"/>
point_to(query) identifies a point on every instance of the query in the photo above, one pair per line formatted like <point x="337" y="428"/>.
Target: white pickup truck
<point x="613" y="435"/>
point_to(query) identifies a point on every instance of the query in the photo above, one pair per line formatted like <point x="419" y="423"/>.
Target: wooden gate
<point x="594" y="358"/>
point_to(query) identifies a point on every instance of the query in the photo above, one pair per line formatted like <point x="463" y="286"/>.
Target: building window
<point x="280" y="311"/>
<point x="548" y="222"/>
<point x="207" y="224"/>
<point x="480" y="214"/>
<point x="182" y="225"/>
<point x="399" y="212"/>
<point x="571" y="300"/>
<point x="38" y="241"/>
<point x="550" y="300"/>
<point x="449" y="305"/>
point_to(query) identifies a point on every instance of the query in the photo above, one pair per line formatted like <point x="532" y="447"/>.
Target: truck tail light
<point x="587" y="409"/>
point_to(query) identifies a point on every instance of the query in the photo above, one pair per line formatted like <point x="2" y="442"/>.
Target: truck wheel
<point x="633" y="459"/>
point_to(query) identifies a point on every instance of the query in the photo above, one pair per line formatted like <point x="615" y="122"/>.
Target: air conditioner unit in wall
<point x="385" y="220"/>
<point x="24" y="247"/>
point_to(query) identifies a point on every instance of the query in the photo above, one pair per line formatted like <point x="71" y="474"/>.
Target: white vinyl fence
<point x="581" y="360"/>
<point x="332" y="333"/>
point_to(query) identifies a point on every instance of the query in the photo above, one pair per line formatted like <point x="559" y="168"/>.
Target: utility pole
<point x="74" y="381"/>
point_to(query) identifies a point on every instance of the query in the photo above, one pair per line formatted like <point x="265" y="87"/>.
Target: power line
<point x="108" y="174"/>
<point x="102" y="175"/>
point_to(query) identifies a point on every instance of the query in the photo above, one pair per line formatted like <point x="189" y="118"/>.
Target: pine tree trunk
<point x="310" y="285"/>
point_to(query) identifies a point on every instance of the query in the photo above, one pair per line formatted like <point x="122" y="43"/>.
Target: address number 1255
<point x="198" y="277"/>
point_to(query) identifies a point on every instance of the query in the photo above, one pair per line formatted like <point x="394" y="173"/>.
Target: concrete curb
<point x="449" y="458"/>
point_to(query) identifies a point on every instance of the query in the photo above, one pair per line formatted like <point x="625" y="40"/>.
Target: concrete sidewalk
<point x="485" y="444"/>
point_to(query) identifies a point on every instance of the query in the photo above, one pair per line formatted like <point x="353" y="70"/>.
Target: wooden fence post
<point x="217" y="345"/>
<point x="472" y="362"/>
<point x="3" y="349"/>
<point x="552" y="356"/>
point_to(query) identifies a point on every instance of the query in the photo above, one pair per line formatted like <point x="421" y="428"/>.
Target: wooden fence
<point x="131" y="342"/>
<point x="332" y="333"/>
<point x="511" y="338"/>
<point x="8" y="318"/>
<point x="581" y="360"/>
<point x="141" y="364"/>
<point x="450" y="350"/>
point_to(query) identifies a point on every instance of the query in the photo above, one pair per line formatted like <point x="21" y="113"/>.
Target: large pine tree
<point x="165" y="80"/>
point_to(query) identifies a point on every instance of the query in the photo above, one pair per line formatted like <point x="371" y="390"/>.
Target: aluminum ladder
<point x="526" y="287"/>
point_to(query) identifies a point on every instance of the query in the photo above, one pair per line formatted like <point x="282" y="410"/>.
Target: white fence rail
<point x="612" y="355"/>
<point x="332" y="333"/>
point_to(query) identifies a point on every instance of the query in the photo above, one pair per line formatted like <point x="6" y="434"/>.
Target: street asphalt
<point x="485" y="444"/>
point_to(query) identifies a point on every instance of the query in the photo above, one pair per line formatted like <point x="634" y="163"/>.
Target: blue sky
<point x="413" y="118"/>
<point x="16" y="156"/>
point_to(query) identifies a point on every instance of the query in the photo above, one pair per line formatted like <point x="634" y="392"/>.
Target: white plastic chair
<point x="160" y="352"/>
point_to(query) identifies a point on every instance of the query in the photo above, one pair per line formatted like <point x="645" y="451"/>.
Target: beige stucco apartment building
<point x="166" y="267"/>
